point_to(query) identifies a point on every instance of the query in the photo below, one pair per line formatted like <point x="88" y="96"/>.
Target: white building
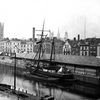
<point x="29" y="46"/>
<point x="3" y="45"/>
<point x="66" y="48"/>
<point x="16" y="46"/>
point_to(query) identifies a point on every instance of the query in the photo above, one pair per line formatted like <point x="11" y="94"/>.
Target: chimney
<point x="78" y="37"/>
<point x="74" y="38"/>
<point x="33" y="34"/>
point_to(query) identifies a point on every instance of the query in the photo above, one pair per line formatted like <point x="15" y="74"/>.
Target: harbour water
<point x="37" y="88"/>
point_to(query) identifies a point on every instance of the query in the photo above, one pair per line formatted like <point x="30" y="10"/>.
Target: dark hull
<point x="55" y="75"/>
<point x="41" y="78"/>
<point x="4" y="87"/>
<point x="47" y="75"/>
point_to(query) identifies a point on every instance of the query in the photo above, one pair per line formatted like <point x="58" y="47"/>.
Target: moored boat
<point x="41" y="78"/>
<point x="49" y="71"/>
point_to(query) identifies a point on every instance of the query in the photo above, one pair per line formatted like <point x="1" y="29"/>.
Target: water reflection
<point x="37" y="88"/>
<point x="32" y="87"/>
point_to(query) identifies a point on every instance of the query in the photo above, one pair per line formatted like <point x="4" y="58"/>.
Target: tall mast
<point x="84" y="27"/>
<point x="52" y="50"/>
<point x="40" y="45"/>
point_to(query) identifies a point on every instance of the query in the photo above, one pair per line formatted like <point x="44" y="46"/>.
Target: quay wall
<point x="9" y="68"/>
<point x="87" y="79"/>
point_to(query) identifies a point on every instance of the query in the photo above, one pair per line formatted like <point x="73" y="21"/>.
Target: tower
<point x="58" y="34"/>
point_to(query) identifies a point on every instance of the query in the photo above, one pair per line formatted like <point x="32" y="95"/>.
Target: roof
<point x="84" y="61"/>
<point x="79" y="60"/>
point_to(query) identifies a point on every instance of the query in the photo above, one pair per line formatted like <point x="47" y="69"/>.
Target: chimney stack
<point x="74" y="38"/>
<point x="78" y="37"/>
<point x="33" y="38"/>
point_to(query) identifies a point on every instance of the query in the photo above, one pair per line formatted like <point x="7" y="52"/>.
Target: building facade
<point x="67" y="48"/>
<point x="16" y="46"/>
<point x="88" y="49"/>
<point x="75" y="48"/>
<point x="84" y="50"/>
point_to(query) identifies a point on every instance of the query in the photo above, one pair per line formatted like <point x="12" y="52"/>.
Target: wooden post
<point x="15" y="73"/>
<point x="74" y="68"/>
<point x="96" y="72"/>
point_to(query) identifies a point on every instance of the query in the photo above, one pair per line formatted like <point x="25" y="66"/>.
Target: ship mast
<point x="85" y="28"/>
<point x="40" y="45"/>
<point x="52" y="50"/>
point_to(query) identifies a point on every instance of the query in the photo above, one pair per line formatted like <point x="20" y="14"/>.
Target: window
<point x="85" y="53"/>
<point x="31" y="45"/>
<point x="81" y="48"/>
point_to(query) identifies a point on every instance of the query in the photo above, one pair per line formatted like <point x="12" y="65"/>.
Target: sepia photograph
<point x="49" y="50"/>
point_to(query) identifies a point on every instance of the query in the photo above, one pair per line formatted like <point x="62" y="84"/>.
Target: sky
<point x="71" y="16"/>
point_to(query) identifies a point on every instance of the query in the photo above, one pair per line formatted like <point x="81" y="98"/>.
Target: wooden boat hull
<point x="68" y="77"/>
<point x="41" y="78"/>
<point x="54" y="75"/>
<point x="52" y="78"/>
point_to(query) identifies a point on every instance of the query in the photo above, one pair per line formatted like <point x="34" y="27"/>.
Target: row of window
<point x="22" y="45"/>
<point x="84" y="48"/>
<point x="85" y="53"/>
<point x="87" y="48"/>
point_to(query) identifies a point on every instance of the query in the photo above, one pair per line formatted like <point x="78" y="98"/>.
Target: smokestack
<point x="74" y="38"/>
<point x="78" y="37"/>
<point x="33" y="34"/>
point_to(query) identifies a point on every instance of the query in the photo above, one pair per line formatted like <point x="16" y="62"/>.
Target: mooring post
<point x="15" y="73"/>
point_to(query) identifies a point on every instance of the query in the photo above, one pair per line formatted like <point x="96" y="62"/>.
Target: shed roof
<point x="67" y="59"/>
<point x="79" y="60"/>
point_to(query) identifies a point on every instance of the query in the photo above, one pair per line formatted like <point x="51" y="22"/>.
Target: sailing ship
<point x="48" y="71"/>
